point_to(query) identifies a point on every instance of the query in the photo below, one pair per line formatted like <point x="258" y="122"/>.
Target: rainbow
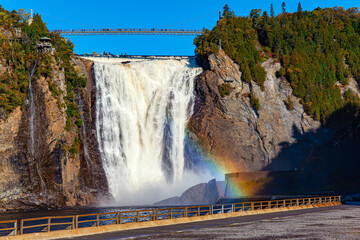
<point x="217" y="166"/>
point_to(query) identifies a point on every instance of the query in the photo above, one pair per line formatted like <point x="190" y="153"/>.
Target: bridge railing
<point x="128" y="30"/>
<point x="150" y="31"/>
<point x="47" y="224"/>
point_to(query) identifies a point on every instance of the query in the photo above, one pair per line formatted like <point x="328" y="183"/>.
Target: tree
<point x="272" y="13"/>
<point x="227" y="12"/>
<point x="299" y="9"/>
<point x="37" y="29"/>
<point x="283" y="6"/>
<point x="24" y="16"/>
<point x="255" y="14"/>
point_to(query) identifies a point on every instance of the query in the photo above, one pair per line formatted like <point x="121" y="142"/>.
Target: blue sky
<point x="184" y="14"/>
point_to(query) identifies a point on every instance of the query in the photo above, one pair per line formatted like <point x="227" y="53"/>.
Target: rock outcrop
<point x="37" y="170"/>
<point x="241" y="137"/>
<point x="202" y="193"/>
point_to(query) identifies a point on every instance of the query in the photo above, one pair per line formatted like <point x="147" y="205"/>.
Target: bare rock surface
<point x="239" y="136"/>
<point x="202" y="193"/>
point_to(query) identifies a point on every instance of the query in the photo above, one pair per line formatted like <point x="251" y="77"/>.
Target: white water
<point x="142" y="110"/>
<point x="33" y="147"/>
<point x="32" y="111"/>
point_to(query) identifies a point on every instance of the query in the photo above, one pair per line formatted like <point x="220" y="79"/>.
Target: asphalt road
<point x="337" y="222"/>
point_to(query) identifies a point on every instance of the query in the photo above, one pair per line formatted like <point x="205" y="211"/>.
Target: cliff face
<point x="37" y="168"/>
<point x="246" y="139"/>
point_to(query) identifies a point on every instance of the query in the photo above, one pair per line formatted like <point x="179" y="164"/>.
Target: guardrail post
<point x="269" y="204"/>
<point x="199" y="211"/>
<point x="120" y="216"/>
<point x="73" y="222"/>
<point x="171" y="213"/>
<point x="212" y="210"/>
<point x="21" y="227"/>
<point x="157" y="214"/>
<point x="48" y="227"/>
<point x="15" y="226"/>
<point x="97" y="220"/>
<point x="252" y="206"/>
<point x="153" y="215"/>
<point x="222" y="208"/>
<point x="186" y="212"/>
<point x="233" y="207"/>
<point x="137" y="216"/>
<point x="76" y="221"/>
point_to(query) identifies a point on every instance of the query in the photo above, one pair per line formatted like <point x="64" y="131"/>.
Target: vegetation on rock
<point x="224" y="89"/>
<point x="17" y="57"/>
<point x="254" y="102"/>
<point x="318" y="51"/>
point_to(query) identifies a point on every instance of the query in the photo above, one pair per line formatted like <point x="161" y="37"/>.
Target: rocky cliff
<point x="232" y="130"/>
<point x="37" y="168"/>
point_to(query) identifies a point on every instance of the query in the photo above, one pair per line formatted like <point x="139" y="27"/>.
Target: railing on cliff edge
<point x="47" y="224"/>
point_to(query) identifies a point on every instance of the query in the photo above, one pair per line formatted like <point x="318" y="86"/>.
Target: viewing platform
<point x="80" y="225"/>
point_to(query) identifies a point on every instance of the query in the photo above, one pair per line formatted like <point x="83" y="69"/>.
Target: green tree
<point x="283" y="7"/>
<point x="254" y="15"/>
<point x="299" y="8"/>
<point x="227" y="12"/>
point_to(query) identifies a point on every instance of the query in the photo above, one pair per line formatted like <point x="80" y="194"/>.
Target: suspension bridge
<point x="128" y="31"/>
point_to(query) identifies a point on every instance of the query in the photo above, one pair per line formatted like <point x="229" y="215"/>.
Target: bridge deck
<point x="120" y="31"/>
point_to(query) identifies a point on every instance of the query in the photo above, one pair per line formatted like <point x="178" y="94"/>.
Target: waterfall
<point x="83" y="133"/>
<point x="142" y="108"/>
<point x="32" y="111"/>
<point x="84" y="139"/>
<point x="33" y="148"/>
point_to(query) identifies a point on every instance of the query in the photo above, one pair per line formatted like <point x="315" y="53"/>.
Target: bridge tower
<point x="31" y="18"/>
<point x="220" y="17"/>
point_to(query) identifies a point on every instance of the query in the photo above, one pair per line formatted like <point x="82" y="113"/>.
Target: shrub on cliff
<point x="254" y="102"/>
<point x="289" y="103"/>
<point x="224" y="89"/>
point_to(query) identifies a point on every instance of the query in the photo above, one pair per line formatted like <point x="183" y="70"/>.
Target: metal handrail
<point x="160" y="214"/>
<point x="46" y="225"/>
<point x="12" y="229"/>
<point x="98" y="219"/>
